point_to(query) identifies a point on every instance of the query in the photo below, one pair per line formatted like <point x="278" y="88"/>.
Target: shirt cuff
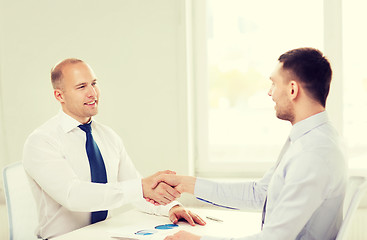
<point x="167" y="208"/>
<point x="203" y="188"/>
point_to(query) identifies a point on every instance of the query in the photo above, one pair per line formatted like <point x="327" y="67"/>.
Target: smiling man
<point x="302" y="195"/>
<point x="78" y="93"/>
<point x="79" y="168"/>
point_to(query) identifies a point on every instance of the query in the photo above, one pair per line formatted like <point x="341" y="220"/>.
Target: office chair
<point x="356" y="189"/>
<point x="22" y="212"/>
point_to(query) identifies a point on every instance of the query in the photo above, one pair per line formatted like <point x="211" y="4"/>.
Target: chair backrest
<point x="22" y="212"/>
<point x="356" y="189"/>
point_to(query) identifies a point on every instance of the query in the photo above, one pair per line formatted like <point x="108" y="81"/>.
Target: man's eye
<point x="81" y="87"/>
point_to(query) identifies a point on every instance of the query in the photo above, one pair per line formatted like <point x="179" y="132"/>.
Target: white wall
<point x="137" y="50"/>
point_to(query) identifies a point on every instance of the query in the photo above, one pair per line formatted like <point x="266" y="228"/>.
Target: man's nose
<point x="92" y="92"/>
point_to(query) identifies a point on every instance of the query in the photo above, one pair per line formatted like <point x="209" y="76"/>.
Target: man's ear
<point x="59" y="95"/>
<point x="293" y="89"/>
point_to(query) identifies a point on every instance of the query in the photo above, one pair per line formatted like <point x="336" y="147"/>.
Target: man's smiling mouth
<point x="91" y="103"/>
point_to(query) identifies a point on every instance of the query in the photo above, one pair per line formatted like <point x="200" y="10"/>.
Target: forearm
<point x="86" y="197"/>
<point x="242" y="195"/>
<point x="62" y="185"/>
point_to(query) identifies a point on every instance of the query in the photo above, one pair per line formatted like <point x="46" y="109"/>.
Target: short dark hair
<point x="56" y="71"/>
<point x="312" y="69"/>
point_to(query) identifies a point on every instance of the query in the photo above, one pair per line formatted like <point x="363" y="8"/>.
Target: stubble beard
<point x="286" y="113"/>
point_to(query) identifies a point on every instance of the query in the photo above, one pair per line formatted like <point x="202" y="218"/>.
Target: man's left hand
<point x="178" y="212"/>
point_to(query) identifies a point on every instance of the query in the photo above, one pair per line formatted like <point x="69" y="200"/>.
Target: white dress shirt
<point x="58" y="168"/>
<point x="305" y="192"/>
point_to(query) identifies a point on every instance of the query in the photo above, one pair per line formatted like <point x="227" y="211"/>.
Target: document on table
<point x="218" y="223"/>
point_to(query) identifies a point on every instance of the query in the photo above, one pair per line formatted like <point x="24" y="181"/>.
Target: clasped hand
<point x="166" y="186"/>
<point x="157" y="191"/>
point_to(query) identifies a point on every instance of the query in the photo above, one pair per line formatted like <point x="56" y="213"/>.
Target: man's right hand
<point x="179" y="182"/>
<point x="160" y="192"/>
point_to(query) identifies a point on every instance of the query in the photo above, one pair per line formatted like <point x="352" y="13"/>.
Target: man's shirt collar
<point x="301" y="128"/>
<point x="67" y="123"/>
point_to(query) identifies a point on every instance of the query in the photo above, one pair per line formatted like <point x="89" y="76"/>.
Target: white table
<point x="125" y="225"/>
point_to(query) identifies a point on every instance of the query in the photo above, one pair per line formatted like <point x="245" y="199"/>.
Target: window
<point x="237" y="130"/>
<point x="355" y="81"/>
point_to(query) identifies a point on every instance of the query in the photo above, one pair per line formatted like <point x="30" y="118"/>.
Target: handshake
<point x="165" y="187"/>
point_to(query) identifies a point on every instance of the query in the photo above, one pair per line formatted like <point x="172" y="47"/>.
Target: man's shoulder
<point x="49" y="128"/>
<point x="322" y="148"/>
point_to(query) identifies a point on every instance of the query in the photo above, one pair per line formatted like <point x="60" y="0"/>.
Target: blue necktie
<point x="97" y="167"/>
